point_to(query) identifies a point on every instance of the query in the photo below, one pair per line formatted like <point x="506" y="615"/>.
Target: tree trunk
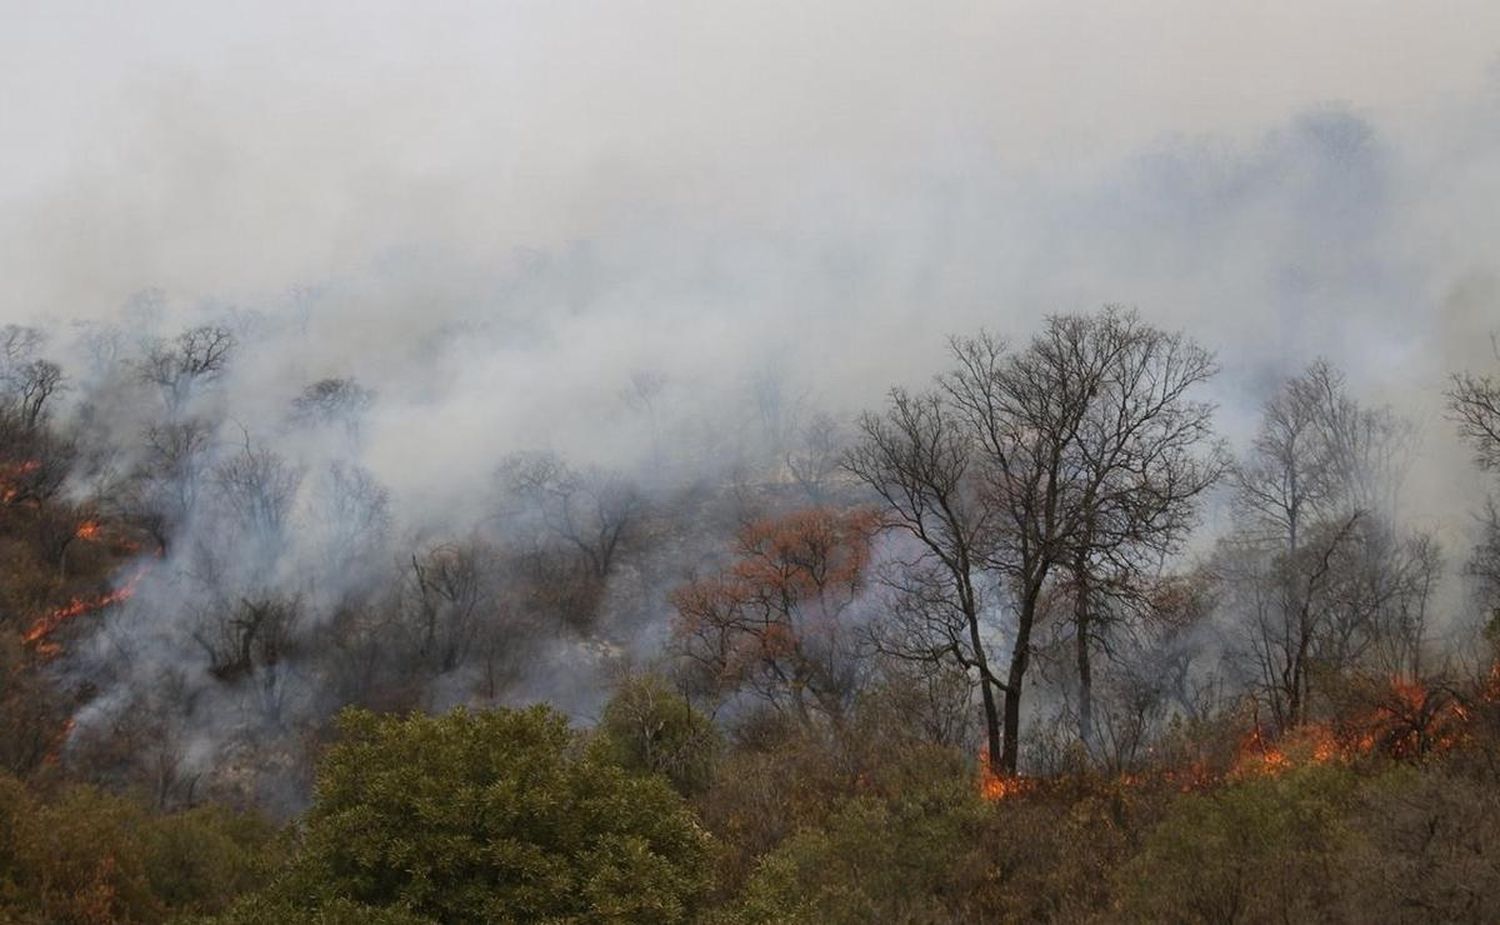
<point x="1020" y="656"/>
<point x="994" y="759"/>
<point x="1082" y="602"/>
<point x="1085" y="675"/>
<point x="987" y="683"/>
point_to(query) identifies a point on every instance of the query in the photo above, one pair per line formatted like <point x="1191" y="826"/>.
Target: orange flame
<point x="10" y="474"/>
<point x="88" y="530"/>
<point x="54" y="748"/>
<point x="1409" y="721"/>
<point x="994" y="787"/>
<point x="49" y="623"/>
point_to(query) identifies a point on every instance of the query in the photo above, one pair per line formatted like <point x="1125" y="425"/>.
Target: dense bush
<point x="1423" y="847"/>
<point x="1258" y="850"/>
<point x="903" y="860"/>
<point x="83" y="856"/>
<point x="487" y="817"/>
<point x="649" y="728"/>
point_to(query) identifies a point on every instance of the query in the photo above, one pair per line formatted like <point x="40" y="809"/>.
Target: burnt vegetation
<point x="1031" y="643"/>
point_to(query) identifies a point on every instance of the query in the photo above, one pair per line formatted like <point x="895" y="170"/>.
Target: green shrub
<point x="84" y="856"/>
<point x="1257" y="850"/>
<point x="902" y="860"/>
<point x="648" y="728"/>
<point x="492" y="817"/>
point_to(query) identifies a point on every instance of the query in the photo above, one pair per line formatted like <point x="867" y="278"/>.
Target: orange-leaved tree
<point x="775" y="621"/>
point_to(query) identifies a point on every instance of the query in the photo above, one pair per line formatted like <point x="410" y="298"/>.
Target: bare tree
<point x="1401" y="579"/>
<point x="161" y="495"/>
<point x="1474" y="402"/>
<point x="1483" y="567"/>
<point x="918" y="459"/>
<point x="1145" y="452"/>
<point x="19" y="344"/>
<point x="34" y="462"/>
<point x="253" y="631"/>
<point x="643" y="395"/>
<point x="249" y="639"/>
<point x="815" y="457"/>
<point x="334" y="402"/>
<point x="257" y="493"/>
<point x="1317" y="453"/>
<point x="1090" y="448"/>
<point x="1079" y="453"/>
<point x="1287" y="594"/>
<point x="34" y="459"/>
<point x="1318" y="566"/>
<point x="29" y="384"/>
<point x="444" y="598"/>
<point x="178" y="367"/>
<point x="350" y="520"/>
<point x="591" y="511"/>
<point x="258" y="486"/>
<point x="777" y="410"/>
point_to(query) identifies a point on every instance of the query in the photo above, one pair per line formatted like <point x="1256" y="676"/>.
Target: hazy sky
<point x="726" y="190"/>
<point x="211" y="146"/>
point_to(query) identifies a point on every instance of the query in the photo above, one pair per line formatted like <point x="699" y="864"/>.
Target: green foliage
<point x="781" y="778"/>
<point x="493" y="817"/>
<point x="201" y="859"/>
<point x="648" y="728"/>
<point x="83" y="856"/>
<point x="1260" y="849"/>
<point x="901" y="860"/>
<point x="273" y="909"/>
<point x="1050" y="856"/>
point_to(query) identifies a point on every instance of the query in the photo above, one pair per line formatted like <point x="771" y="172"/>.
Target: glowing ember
<point x="12" y="473"/>
<point x="54" y="748"/>
<point x="1258" y="755"/>
<point x="49" y="623"/>
<point x="88" y="530"/>
<point x="1195" y="777"/>
<point x="1408" y="721"/>
<point x="995" y="787"/>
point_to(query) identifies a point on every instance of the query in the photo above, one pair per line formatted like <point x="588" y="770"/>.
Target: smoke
<point x="657" y="238"/>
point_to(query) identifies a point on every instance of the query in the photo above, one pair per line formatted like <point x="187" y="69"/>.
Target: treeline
<point x="949" y="661"/>
<point x="655" y="815"/>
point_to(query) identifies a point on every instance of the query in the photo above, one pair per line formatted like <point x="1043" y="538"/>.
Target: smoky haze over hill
<point x="658" y="240"/>
<point x="475" y="205"/>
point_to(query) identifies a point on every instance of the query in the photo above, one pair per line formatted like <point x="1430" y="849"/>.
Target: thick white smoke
<point x="649" y="235"/>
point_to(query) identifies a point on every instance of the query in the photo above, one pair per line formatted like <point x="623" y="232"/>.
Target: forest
<point x="1032" y="640"/>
